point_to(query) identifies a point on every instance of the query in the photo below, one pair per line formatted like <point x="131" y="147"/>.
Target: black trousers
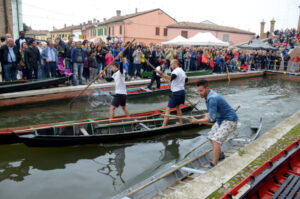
<point x="153" y="79"/>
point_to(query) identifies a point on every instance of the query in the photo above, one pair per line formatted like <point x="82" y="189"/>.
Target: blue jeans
<point x="77" y="71"/>
<point x="99" y="67"/>
<point x="53" y="66"/>
<point x="69" y="64"/>
<point x="138" y="68"/>
<point x="294" y="66"/>
<point x="35" y="71"/>
<point x="10" y="74"/>
<point x="46" y="71"/>
<point x="187" y="64"/>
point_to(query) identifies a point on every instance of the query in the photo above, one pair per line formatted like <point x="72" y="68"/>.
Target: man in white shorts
<point x="220" y="112"/>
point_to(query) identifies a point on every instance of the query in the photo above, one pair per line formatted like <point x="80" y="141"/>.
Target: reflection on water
<point x="101" y="171"/>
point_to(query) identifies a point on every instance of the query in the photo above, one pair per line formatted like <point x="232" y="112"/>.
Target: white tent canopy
<point x="179" y="40"/>
<point x="205" y="39"/>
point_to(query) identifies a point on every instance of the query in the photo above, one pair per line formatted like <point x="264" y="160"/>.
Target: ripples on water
<point x="101" y="171"/>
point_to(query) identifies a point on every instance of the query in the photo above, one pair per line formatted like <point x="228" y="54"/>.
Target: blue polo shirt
<point x="219" y="110"/>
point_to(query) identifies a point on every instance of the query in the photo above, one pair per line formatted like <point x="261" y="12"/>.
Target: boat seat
<point x="84" y="132"/>
<point x="289" y="188"/>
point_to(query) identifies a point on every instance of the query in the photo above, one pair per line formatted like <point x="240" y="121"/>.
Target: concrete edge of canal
<point x="207" y="184"/>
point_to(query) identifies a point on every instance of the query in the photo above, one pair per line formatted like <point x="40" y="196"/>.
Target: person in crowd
<point x="32" y="59"/>
<point x="137" y="55"/>
<point x="50" y="60"/>
<point x="78" y="60"/>
<point x="109" y="57"/>
<point x="126" y="67"/>
<point x="93" y="66"/>
<point x="220" y="112"/>
<point x="286" y="59"/>
<point x="24" y="69"/>
<point x="21" y="39"/>
<point x="295" y="61"/>
<point x="10" y="58"/>
<point x="68" y="48"/>
<point x="100" y="56"/>
<point x="187" y="60"/>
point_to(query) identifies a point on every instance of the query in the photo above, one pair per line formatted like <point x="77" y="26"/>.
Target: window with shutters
<point x="157" y="31"/>
<point x="165" y="32"/>
<point x="184" y="34"/>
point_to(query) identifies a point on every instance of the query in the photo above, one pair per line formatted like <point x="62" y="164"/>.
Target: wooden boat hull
<point x="8" y="137"/>
<point x="141" y="92"/>
<point x="32" y="85"/>
<point x="279" y="177"/>
<point x="52" y="141"/>
<point x="187" y="169"/>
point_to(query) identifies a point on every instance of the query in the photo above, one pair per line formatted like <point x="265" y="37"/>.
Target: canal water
<point x="103" y="170"/>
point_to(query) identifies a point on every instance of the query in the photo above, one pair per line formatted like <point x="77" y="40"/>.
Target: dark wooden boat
<point x="32" y="85"/>
<point x="13" y="82"/>
<point x="105" y="131"/>
<point x="140" y="92"/>
<point x="8" y="137"/>
<point x="196" y="164"/>
<point x="279" y="177"/>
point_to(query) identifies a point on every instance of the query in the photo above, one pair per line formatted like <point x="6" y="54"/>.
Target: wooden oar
<point x="100" y="74"/>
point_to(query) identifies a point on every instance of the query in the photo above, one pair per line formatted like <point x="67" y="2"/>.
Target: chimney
<point x="65" y="25"/>
<point x="54" y="28"/>
<point x="298" y="29"/>
<point x="262" y="29"/>
<point x="118" y="13"/>
<point x="104" y="19"/>
<point x="90" y="22"/>
<point x="272" y="27"/>
<point x="94" y="20"/>
<point x="136" y="10"/>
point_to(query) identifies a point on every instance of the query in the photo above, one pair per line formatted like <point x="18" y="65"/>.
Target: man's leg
<point x="80" y="69"/>
<point x="216" y="152"/>
<point x="111" y="111"/>
<point x="7" y="69"/>
<point x="166" y="118"/>
<point x="158" y="82"/>
<point x="75" y="74"/>
<point x="125" y="111"/>
<point x="179" y="113"/>
<point x="152" y="81"/>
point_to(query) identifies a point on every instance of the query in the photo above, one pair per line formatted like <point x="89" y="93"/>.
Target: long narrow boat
<point x="139" y="92"/>
<point x="13" y="82"/>
<point x="279" y="177"/>
<point x="32" y="85"/>
<point x="171" y="178"/>
<point x="8" y="137"/>
<point x="188" y="73"/>
<point x="104" y="131"/>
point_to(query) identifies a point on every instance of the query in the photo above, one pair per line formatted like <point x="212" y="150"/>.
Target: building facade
<point x="11" y="20"/>
<point x="40" y="35"/>
<point x="65" y="32"/>
<point x="147" y="27"/>
<point x="224" y="33"/>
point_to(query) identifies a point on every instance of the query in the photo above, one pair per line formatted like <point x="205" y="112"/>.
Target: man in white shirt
<point x="178" y="79"/>
<point x="156" y="76"/>
<point x="120" y="89"/>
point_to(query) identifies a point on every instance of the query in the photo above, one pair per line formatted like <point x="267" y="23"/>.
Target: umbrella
<point x="257" y="44"/>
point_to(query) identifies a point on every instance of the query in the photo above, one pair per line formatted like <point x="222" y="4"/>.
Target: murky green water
<point x="101" y="171"/>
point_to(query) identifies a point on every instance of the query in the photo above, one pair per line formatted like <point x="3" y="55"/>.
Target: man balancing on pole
<point x="178" y="79"/>
<point x="120" y="91"/>
<point x="220" y="112"/>
<point x="156" y="76"/>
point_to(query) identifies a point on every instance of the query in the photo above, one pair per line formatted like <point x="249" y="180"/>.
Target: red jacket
<point x="211" y="64"/>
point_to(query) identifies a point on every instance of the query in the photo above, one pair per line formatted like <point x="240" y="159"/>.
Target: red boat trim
<point x="259" y="170"/>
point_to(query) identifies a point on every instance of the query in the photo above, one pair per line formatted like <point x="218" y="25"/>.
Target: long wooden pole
<point x="170" y="172"/>
<point x="187" y="118"/>
<point x="100" y="74"/>
<point x="167" y="81"/>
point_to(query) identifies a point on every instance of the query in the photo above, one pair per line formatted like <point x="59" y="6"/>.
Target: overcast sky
<point x="243" y="14"/>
